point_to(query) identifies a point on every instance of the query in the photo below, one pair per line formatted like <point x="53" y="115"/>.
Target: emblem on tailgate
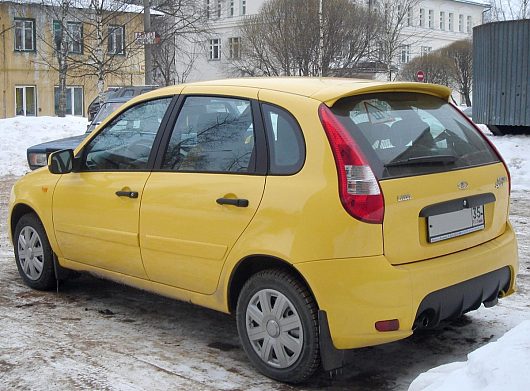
<point x="462" y="185"/>
<point x="500" y="181"/>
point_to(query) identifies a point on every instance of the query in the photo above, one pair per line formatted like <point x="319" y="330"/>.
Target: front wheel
<point x="33" y="253"/>
<point x="277" y="323"/>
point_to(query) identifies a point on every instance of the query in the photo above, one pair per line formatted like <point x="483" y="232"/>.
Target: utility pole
<point x="148" y="60"/>
<point x="321" y="38"/>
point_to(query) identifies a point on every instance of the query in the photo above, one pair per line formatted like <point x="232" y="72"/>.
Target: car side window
<point x="285" y="140"/>
<point x="126" y="142"/>
<point x="212" y="134"/>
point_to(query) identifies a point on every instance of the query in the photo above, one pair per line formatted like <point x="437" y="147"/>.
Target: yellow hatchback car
<point x="326" y="214"/>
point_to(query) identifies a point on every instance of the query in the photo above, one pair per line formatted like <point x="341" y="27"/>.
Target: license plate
<point x="450" y="225"/>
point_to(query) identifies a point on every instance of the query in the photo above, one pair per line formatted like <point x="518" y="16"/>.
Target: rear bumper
<point x="356" y="293"/>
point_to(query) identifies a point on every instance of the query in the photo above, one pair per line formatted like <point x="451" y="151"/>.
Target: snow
<point x="19" y="133"/>
<point x="500" y="365"/>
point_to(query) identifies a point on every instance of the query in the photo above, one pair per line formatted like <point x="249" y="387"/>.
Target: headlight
<point x="37" y="159"/>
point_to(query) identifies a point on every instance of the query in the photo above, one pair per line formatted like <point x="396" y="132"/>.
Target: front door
<point x="96" y="210"/>
<point x="206" y="193"/>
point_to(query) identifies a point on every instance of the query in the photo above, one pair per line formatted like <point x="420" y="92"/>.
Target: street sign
<point x="420" y="76"/>
<point x="146" y="38"/>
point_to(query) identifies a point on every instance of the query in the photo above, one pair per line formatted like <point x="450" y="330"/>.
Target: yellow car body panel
<point x="358" y="292"/>
<point x="297" y="219"/>
<point x="94" y="226"/>
<point x="402" y="224"/>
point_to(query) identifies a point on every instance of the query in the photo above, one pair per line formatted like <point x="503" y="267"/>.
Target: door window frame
<point x="81" y="156"/>
<point x="260" y="142"/>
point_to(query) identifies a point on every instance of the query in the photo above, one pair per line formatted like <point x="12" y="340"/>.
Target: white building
<point x="430" y="25"/>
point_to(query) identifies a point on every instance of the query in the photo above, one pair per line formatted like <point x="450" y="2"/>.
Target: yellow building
<point x="28" y="67"/>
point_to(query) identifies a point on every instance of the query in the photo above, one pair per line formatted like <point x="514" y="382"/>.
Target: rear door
<point x="445" y="188"/>
<point x="208" y="188"/>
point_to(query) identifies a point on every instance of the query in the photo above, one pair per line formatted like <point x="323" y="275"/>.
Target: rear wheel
<point x="278" y="326"/>
<point x="33" y="253"/>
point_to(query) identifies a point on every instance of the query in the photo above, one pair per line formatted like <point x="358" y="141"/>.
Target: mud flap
<point x="330" y="357"/>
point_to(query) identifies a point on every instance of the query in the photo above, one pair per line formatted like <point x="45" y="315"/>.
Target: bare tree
<point x="509" y="9"/>
<point x="396" y="16"/>
<point x="181" y="27"/>
<point x="284" y="38"/>
<point x="460" y="53"/>
<point x="438" y="69"/>
<point x="106" y="51"/>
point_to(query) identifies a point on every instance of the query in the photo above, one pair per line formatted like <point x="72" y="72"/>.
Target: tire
<point x="277" y="322"/>
<point x="33" y="253"/>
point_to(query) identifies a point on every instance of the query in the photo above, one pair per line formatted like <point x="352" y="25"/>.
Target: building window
<point x="215" y="49"/>
<point x="26" y="101"/>
<point x="232" y="8"/>
<point x="451" y="21"/>
<point x="116" y="39"/>
<point x="208" y="13"/>
<point x="219" y="9"/>
<point x="461" y="23"/>
<point x="74" y="100"/>
<point x="425" y="50"/>
<point x="74" y="36"/>
<point x="431" y="19"/>
<point x="469" y="24"/>
<point x="24" y="35"/>
<point x="234" y="45"/>
<point x="409" y="16"/>
<point x="442" y="20"/>
<point x="243" y="7"/>
<point x="404" y="54"/>
<point x="422" y="17"/>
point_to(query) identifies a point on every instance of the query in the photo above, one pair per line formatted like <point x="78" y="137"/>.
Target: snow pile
<point x="512" y="149"/>
<point x="19" y="133"/>
<point x="500" y="365"/>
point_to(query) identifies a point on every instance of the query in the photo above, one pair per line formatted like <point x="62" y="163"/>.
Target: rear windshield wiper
<point x="436" y="159"/>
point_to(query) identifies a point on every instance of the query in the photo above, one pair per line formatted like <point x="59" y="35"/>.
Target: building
<point x="430" y="25"/>
<point x="28" y="71"/>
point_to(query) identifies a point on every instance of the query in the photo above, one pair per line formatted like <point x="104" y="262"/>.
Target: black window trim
<point x="259" y="135"/>
<point x="81" y="156"/>
<point x="303" y="148"/>
<point x="34" y="50"/>
<point x="66" y="23"/>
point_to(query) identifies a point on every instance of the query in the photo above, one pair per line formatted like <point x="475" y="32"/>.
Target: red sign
<point x="420" y="76"/>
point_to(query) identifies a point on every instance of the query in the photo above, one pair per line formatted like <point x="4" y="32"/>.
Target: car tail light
<point x="359" y="190"/>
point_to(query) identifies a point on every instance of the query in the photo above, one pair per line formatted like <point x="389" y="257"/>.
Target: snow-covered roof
<point x="108" y="5"/>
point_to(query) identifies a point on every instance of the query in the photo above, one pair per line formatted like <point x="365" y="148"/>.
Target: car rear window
<point x="404" y="134"/>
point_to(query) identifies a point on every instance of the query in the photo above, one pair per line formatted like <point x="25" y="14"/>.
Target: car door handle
<point x="239" y="202"/>
<point x="130" y="194"/>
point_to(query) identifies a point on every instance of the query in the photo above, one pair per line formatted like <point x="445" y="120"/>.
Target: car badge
<point x="462" y="185"/>
<point x="500" y="181"/>
<point x="404" y="197"/>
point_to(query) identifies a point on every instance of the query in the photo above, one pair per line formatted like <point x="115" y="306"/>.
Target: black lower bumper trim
<point x="454" y="301"/>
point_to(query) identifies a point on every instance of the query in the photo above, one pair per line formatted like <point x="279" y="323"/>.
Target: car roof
<point x="327" y="90"/>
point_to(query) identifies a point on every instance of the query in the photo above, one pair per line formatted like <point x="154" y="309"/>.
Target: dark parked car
<point x="38" y="154"/>
<point x="119" y="92"/>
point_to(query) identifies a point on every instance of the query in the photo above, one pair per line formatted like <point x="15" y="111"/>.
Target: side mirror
<point x="61" y="162"/>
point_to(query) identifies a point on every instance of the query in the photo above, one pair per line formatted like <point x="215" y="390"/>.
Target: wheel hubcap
<point x="30" y="253"/>
<point x="274" y="328"/>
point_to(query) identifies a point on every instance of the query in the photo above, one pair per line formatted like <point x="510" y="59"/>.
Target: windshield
<point x="409" y="133"/>
<point x="105" y="110"/>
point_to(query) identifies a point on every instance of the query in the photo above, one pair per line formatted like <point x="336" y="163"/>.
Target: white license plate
<point x="450" y="225"/>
